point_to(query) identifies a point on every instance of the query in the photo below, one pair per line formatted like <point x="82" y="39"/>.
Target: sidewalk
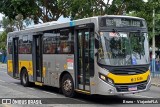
<point x="155" y="81"/>
<point x="2" y="65"/>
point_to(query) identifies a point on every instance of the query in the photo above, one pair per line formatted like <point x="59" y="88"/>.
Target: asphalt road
<point x="11" y="88"/>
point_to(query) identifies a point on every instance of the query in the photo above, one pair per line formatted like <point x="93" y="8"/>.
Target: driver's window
<point x="137" y="44"/>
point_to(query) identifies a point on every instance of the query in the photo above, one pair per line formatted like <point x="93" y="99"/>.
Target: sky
<point x="1" y="16"/>
<point x="0" y="20"/>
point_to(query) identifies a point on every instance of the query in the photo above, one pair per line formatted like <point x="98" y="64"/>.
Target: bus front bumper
<point x="104" y="88"/>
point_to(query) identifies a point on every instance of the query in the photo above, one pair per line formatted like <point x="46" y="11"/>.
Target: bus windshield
<point x="123" y="48"/>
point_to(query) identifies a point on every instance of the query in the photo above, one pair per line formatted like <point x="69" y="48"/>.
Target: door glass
<point x="86" y="61"/>
<point x="38" y="58"/>
<point x="84" y="55"/>
<point x="80" y="62"/>
<point x="91" y="54"/>
<point x="15" y="57"/>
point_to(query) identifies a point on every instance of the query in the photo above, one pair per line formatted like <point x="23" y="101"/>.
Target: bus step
<point x="39" y="83"/>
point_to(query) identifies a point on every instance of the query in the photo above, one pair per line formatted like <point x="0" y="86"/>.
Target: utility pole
<point x="153" y="44"/>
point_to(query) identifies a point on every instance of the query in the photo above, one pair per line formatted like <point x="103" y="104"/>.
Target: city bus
<point x="105" y="55"/>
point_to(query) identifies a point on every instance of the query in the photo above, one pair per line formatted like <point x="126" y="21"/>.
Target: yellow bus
<point x="105" y="55"/>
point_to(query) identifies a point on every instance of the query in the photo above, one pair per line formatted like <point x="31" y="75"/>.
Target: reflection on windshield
<point x="123" y="48"/>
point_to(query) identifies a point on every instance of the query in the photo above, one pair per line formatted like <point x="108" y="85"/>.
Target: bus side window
<point x="66" y="41"/>
<point x="25" y="45"/>
<point x="49" y="45"/>
<point x="9" y="47"/>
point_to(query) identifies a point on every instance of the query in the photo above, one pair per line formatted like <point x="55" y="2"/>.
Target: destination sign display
<point x="121" y="22"/>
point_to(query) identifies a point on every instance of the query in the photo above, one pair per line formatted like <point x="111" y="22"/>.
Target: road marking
<point x="19" y="91"/>
<point x="142" y="96"/>
<point x="43" y="91"/>
<point x="49" y="92"/>
<point x="2" y="81"/>
<point x="13" y="83"/>
<point x="32" y="88"/>
<point x="4" y="72"/>
<point x="78" y="100"/>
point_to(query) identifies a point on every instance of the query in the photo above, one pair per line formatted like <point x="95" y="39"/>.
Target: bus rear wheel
<point x="67" y="86"/>
<point x="24" y="78"/>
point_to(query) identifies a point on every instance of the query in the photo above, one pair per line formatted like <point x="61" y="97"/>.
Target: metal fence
<point x="3" y="56"/>
<point x="156" y="73"/>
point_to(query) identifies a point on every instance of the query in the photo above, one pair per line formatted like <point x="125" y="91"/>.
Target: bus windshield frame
<point x="123" y="48"/>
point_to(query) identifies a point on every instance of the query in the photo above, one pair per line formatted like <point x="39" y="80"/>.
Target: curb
<point x="3" y="67"/>
<point x="154" y="84"/>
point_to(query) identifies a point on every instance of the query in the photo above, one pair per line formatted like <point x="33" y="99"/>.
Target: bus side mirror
<point x="96" y="43"/>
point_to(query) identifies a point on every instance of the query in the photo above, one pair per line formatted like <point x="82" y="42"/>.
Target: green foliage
<point x="11" y="8"/>
<point x="46" y="10"/>
<point x="8" y="24"/>
<point x="3" y="38"/>
<point x="81" y="9"/>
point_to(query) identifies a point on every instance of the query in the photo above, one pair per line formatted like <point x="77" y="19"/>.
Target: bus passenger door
<point x="15" y="58"/>
<point x="84" y="61"/>
<point x="37" y="58"/>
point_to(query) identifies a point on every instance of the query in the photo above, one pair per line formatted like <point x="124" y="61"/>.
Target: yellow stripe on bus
<point x="129" y="78"/>
<point x="82" y="91"/>
<point x="27" y="64"/>
<point x="10" y="67"/>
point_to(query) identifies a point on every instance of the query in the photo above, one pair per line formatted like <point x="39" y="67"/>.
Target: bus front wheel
<point x="67" y="86"/>
<point x="24" y="78"/>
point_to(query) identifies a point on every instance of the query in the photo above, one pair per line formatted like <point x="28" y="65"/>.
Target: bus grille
<point x="126" y="70"/>
<point x="124" y="88"/>
<point x="129" y="71"/>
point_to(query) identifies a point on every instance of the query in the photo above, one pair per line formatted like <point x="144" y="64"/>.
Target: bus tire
<point x="67" y="86"/>
<point x="25" y="78"/>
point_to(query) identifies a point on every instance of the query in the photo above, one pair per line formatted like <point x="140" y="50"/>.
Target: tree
<point x="3" y="38"/>
<point x="51" y="10"/>
<point x="46" y="10"/>
<point x="81" y="9"/>
<point x="146" y="12"/>
<point x="11" y="8"/>
<point x="19" y="22"/>
<point x="8" y="24"/>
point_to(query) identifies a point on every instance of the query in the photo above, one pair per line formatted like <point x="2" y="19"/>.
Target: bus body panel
<point x="55" y="65"/>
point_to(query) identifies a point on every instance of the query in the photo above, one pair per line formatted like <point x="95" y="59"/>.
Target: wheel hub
<point x="67" y="85"/>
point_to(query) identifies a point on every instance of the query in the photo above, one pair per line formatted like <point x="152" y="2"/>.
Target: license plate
<point x="132" y="88"/>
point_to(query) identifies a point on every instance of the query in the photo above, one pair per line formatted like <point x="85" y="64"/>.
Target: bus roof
<point x="53" y="23"/>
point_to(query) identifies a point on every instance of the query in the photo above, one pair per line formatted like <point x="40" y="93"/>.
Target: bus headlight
<point x="106" y="79"/>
